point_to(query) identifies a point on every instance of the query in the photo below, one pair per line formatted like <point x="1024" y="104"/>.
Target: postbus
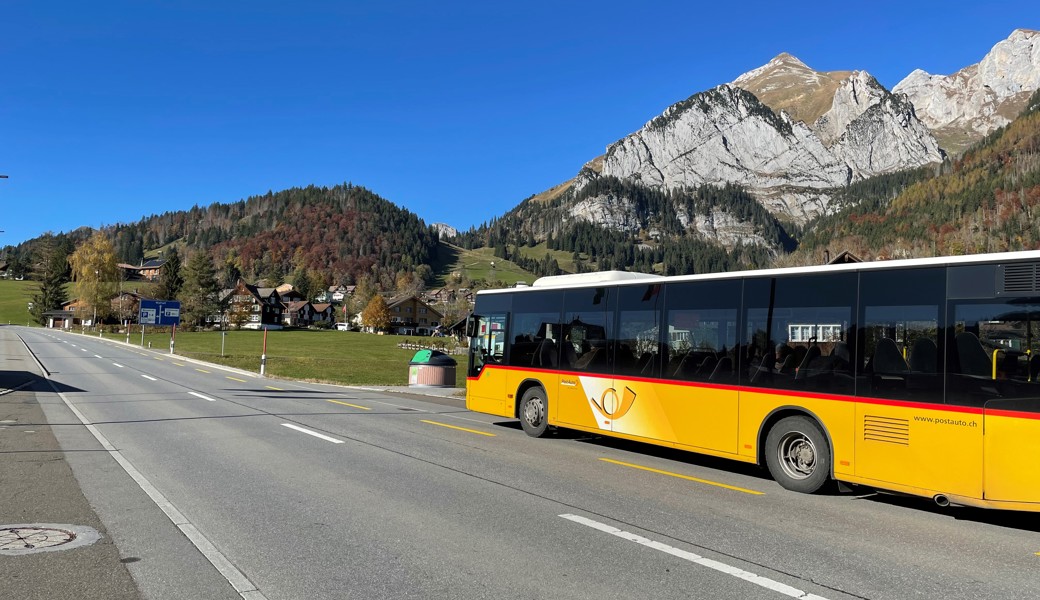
<point x="916" y="376"/>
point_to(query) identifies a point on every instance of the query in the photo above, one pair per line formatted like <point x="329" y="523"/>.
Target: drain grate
<point x="44" y="537"/>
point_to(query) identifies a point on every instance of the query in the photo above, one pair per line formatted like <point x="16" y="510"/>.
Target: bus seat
<point x="706" y="367"/>
<point x="887" y="358"/>
<point x="586" y="359"/>
<point x="569" y="355"/>
<point x="841" y="353"/>
<point x="974" y="360"/>
<point x="764" y="370"/>
<point x="1034" y="367"/>
<point x="723" y="368"/>
<point x="924" y="356"/>
<point x="546" y="356"/>
<point x="812" y="354"/>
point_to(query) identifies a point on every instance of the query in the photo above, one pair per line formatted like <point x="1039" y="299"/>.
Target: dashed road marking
<point x="314" y="433"/>
<point x="721" y="567"/>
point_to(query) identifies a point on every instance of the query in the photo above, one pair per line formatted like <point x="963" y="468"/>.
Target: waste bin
<point x="431" y="368"/>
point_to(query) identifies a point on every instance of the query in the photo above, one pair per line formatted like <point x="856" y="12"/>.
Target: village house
<point x="250" y="307"/>
<point x="147" y="271"/>
<point x="409" y="315"/>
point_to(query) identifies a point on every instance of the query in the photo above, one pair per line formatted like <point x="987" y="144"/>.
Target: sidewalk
<point x="38" y="489"/>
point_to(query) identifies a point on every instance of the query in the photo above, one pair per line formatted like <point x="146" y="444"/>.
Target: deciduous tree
<point x="377" y="314"/>
<point x="95" y="274"/>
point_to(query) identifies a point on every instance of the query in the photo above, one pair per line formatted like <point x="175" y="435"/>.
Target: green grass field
<point x="343" y="357"/>
<point x="14" y="301"/>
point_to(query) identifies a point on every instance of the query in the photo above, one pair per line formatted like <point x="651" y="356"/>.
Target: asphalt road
<point x="220" y="484"/>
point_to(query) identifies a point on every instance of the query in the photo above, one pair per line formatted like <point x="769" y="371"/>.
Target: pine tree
<point x="199" y="293"/>
<point x="52" y="272"/>
<point x="170" y="278"/>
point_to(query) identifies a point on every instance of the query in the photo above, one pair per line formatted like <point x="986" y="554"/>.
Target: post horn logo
<point x="609" y="405"/>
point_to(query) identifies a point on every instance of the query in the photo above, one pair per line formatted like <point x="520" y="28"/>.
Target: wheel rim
<point x="534" y="412"/>
<point x="797" y="454"/>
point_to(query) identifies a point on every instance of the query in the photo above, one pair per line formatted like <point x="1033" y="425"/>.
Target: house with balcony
<point x="251" y="307"/>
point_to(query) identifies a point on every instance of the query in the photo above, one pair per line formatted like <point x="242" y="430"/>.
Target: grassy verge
<point x="344" y="357"/>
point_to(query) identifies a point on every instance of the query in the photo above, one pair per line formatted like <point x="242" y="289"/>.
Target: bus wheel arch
<point x="533" y="408"/>
<point x="797" y="450"/>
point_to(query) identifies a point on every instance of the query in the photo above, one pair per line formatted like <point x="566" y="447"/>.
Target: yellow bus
<point x="914" y="376"/>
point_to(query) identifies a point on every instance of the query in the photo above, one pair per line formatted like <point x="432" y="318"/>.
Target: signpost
<point x="161" y="312"/>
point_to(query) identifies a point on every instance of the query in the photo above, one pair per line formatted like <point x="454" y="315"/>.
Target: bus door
<point x="998" y="359"/>
<point x="486" y="385"/>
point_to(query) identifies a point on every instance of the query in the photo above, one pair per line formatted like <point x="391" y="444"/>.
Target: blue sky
<point x="457" y="111"/>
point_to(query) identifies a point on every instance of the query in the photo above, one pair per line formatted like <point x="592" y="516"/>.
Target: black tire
<point x="534" y="412"/>
<point x="798" y="455"/>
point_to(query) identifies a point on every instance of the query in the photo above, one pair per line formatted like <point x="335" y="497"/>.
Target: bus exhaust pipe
<point x="941" y="500"/>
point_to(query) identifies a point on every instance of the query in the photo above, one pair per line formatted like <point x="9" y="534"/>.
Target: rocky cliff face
<point x="727" y="135"/>
<point x="965" y="106"/>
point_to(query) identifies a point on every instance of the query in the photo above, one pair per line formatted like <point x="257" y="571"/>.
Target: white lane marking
<point x="314" y="433"/>
<point x="246" y="589"/>
<point x="118" y="365"/>
<point x="765" y="582"/>
<point x="198" y="395"/>
<point x="99" y="356"/>
<point x="149" y="377"/>
<point x="83" y="349"/>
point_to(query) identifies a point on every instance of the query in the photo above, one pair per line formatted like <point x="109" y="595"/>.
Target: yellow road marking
<point x="179" y="364"/>
<point x="687" y="477"/>
<point x="202" y="370"/>
<point x="156" y="358"/>
<point x="271" y="387"/>
<point x="350" y="405"/>
<point x="459" y="428"/>
<point x="235" y="379"/>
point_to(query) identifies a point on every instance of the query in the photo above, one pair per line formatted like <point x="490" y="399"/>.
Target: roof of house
<point x="297" y="304"/>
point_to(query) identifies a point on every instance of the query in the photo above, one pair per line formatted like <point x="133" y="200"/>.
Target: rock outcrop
<point x="963" y="107"/>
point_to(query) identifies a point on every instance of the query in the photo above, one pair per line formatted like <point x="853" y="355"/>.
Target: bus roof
<point x="579" y="279"/>
<point x="626" y="277"/>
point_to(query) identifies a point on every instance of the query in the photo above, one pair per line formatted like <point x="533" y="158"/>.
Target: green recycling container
<point x="431" y="368"/>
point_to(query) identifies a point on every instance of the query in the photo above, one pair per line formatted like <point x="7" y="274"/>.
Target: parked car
<point x="342" y="327"/>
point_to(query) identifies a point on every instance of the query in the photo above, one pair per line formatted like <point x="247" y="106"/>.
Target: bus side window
<point x="901" y="334"/>
<point x="700" y="331"/>
<point x="799" y="329"/>
<point x="993" y="351"/>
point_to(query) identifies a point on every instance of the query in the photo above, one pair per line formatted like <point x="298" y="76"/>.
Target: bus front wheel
<point x="797" y="455"/>
<point x="533" y="417"/>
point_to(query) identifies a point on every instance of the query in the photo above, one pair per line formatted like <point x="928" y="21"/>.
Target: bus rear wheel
<point x="533" y="413"/>
<point x="797" y="455"/>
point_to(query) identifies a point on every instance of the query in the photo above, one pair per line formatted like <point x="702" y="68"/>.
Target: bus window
<point x="994" y="351"/>
<point x="488" y="343"/>
<point x="638" y="349"/>
<point x="799" y="331"/>
<point x="587" y="328"/>
<point x="900" y="333"/>
<point x="701" y="322"/>
<point x="535" y="330"/>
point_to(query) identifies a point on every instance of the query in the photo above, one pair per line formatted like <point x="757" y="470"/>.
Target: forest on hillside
<point x="339" y="234"/>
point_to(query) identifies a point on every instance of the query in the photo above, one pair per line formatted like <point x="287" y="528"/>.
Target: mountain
<point x="339" y="233"/>
<point x="748" y="167"/>
<point x="988" y="200"/>
<point x="965" y="106"/>
<point x="730" y="135"/>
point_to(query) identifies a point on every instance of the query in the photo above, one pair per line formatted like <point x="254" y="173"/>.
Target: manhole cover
<point x="44" y="537"/>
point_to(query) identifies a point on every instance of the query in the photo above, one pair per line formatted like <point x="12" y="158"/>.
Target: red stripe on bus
<point x="971" y="410"/>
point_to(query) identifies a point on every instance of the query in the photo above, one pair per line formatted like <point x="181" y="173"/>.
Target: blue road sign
<point x="160" y="312"/>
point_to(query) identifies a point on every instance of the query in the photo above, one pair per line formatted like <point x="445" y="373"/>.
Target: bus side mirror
<point x="473" y="326"/>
